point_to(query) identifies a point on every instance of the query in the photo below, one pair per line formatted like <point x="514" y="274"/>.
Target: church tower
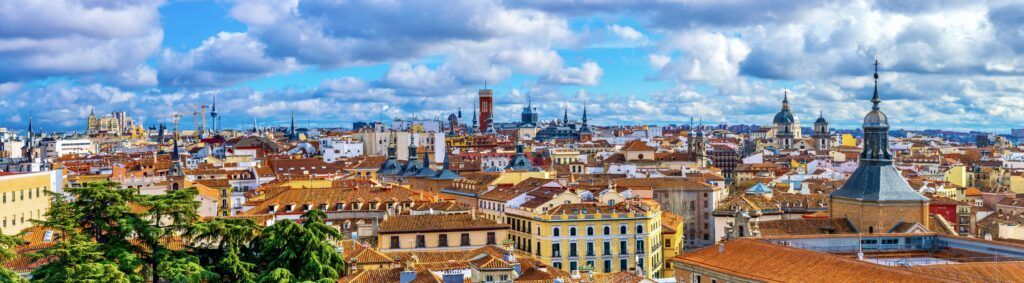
<point x="822" y="137"/>
<point x="697" y="145"/>
<point x="93" y="125"/>
<point x="876" y="198"/>
<point x="585" y="132"/>
<point x="786" y="125"/>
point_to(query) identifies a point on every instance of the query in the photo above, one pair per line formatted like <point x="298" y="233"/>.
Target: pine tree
<point x="306" y="251"/>
<point x="166" y="215"/>
<point x="219" y="242"/>
<point x="7" y="253"/>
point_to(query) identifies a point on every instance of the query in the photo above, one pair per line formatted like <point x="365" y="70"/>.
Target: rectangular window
<point x="607" y="266"/>
<point x="890" y="241"/>
<point x="442" y="240"/>
<point x="622" y="247"/>
<point x="590" y="249"/>
<point x="572" y="249"/>
<point x="572" y="265"/>
<point x="491" y="238"/>
<point x="607" y="248"/>
<point x="557" y="265"/>
<point x="556" y="250"/>
<point x="394" y="242"/>
<point x="421" y="241"/>
<point x="464" y="241"/>
<point x="623" y="264"/>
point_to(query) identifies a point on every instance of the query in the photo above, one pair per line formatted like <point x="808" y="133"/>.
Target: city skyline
<point x="952" y="66"/>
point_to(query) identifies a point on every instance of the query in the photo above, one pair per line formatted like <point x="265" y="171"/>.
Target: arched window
<point x="607" y="230"/>
<point x="639" y="229"/>
<point x="590" y="231"/>
<point x="555" y="232"/>
<point x="622" y="229"/>
<point x="572" y="231"/>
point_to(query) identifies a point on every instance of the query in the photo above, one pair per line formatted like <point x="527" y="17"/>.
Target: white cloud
<point x="705" y="56"/>
<point x="67" y="37"/>
<point x="221" y="60"/>
<point x="627" y="33"/>
<point x="588" y="74"/>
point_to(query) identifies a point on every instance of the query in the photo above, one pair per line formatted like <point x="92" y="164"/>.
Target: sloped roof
<point x="762" y="261"/>
<point x="877" y="182"/>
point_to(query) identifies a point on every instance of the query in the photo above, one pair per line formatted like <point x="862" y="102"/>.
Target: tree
<point x="166" y="215"/>
<point x="306" y="251"/>
<point x="233" y="269"/>
<point x="184" y="268"/>
<point x="220" y="241"/>
<point x="103" y="215"/>
<point x="73" y="255"/>
<point x="278" y="275"/>
<point x="7" y="253"/>
<point x="96" y="272"/>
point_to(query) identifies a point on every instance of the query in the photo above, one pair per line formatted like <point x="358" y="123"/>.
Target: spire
<point x="785" y="100"/>
<point x="291" y="131"/>
<point x="874" y="99"/>
<point x="174" y="153"/>
<point x="584" y="112"/>
<point x="565" y="118"/>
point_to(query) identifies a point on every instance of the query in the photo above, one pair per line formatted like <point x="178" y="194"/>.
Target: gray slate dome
<point x="821" y="120"/>
<point x="784" y="117"/>
<point x="876" y="118"/>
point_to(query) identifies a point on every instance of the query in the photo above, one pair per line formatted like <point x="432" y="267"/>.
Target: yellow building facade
<point x="23" y="198"/>
<point x="608" y="234"/>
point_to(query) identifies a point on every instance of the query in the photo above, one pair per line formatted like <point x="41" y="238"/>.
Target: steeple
<point x="565" y="117"/>
<point x="472" y="129"/>
<point x="876" y="130"/>
<point x="874" y="98"/>
<point x="291" y="132"/>
<point x="174" y="153"/>
<point x="27" y="149"/>
<point x="785" y="100"/>
<point x="584" y="113"/>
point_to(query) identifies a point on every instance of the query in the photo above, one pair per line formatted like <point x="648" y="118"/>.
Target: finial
<point x="485" y="84"/>
<point x="874" y="98"/>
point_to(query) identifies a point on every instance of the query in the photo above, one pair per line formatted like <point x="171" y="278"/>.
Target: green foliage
<point x="184" y="268"/>
<point x="233" y="269"/>
<point x="7" y="253"/>
<point x="305" y="250"/>
<point x="96" y="272"/>
<point x="98" y="238"/>
<point x="277" y="275"/>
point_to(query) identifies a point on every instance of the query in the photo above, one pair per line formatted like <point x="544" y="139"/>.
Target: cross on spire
<point x="874" y="98"/>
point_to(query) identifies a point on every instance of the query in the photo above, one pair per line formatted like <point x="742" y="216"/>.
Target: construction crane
<point x="199" y="118"/>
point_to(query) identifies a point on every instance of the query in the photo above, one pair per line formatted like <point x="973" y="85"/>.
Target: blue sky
<point x="945" y="64"/>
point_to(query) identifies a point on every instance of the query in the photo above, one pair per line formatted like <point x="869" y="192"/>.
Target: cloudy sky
<point x="945" y="64"/>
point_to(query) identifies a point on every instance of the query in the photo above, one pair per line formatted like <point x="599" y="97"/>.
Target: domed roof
<point x="821" y="119"/>
<point x="876" y="119"/>
<point x="784" y="117"/>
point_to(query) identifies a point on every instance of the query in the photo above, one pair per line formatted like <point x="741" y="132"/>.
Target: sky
<point x="953" y="65"/>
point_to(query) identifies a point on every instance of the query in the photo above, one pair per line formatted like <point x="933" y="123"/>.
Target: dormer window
<point x="273" y="208"/>
<point x="339" y="206"/>
<point x="288" y="207"/>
